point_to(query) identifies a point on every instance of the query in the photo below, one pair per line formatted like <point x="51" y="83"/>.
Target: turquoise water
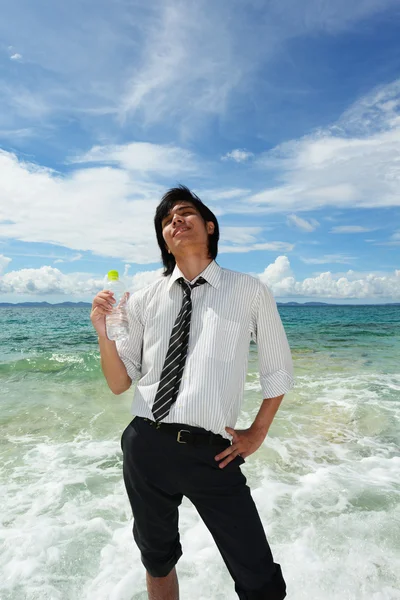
<point x="326" y="481"/>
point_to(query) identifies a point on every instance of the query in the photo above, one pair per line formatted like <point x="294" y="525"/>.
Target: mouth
<point x="180" y="230"/>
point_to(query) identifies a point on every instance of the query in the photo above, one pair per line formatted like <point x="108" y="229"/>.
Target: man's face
<point x="184" y="227"/>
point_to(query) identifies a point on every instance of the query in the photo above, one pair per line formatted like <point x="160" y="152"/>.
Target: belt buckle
<point x="178" y="437"/>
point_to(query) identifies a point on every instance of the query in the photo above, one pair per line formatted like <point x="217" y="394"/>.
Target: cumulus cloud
<point x="277" y="273"/>
<point x="16" y="56"/>
<point x="303" y="224"/>
<point x="351" y="229"/>
<point x="281" y="280"/>
<point x="108" y="211"/>
<point x="237" y="155"/>
<point x="144" y="278"/>
<point x="278" y="276"/>
<point x="49" y="281"/>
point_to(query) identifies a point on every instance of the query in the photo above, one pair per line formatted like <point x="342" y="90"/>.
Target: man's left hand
<point x="244" y="443"/>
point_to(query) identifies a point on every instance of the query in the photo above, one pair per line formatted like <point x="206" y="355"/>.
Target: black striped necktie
<point x="175" y="360"/>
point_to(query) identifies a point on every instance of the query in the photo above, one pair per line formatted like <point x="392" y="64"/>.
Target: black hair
<point x="168" y="201"/>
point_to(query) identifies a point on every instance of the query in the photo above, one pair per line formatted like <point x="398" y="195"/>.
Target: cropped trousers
<point x="159" y="471"/>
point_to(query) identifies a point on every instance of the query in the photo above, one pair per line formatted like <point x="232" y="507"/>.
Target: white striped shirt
<point x="228" y="311"/>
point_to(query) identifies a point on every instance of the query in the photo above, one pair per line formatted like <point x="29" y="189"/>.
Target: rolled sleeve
<point x="130" y="349"/>
<point x="274" y="355"/>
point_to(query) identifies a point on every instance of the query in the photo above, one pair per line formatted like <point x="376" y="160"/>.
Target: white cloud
<point x="4" y="262"/>
<point x="303" y="224"/>
<point x="237" y="155"/>
<point x="329" y="258"/>
<point x="108" y="211"/>
<point x="186" y="68"/>
<point x="240" y="235"/>
<point x="170" y="62"/>
<point x="277" y="273"/>
<point x="271" y="246"/>
<point x="140" y="280"/>
<point x="279" y="277"/>
<point x="49" y="281"/>
<point x="143" y="157"/>
<point x="351" y="229"/>
<point x="16" y="56"/>
<point x="396" y="236"/>
<point x="195" y="55"/>
<point x="246" y="239"/>
<point x="72" y="259"/>
<point x="14" y="134"/>
<point x="225" y="194"/>
<point x="353" y="164"/>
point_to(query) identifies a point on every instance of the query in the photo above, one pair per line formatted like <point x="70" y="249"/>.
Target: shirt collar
<point x="212" y="274"/>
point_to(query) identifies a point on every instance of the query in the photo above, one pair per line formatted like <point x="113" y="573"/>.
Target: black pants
<point x="159" y="471"/>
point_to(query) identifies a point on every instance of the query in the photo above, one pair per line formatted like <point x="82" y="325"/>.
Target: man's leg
<point x="163" y="588"/>
<point x="154" y="501"/>
<point x="224" y="502"/>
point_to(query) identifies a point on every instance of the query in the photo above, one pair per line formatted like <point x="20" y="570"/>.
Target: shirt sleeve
<point x="130" y="349"/>
<point x="274" y="356"/>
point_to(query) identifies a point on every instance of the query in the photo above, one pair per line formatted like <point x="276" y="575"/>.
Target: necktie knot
<point x="188" y="287"/>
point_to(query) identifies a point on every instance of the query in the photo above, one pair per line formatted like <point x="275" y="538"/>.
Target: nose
<point x="177" y="219"/>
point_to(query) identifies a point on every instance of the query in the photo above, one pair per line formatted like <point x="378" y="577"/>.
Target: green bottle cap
<point x="113" y="275"/>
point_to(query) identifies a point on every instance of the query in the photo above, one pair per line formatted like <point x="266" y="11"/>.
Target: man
<point x="188" y="351"/>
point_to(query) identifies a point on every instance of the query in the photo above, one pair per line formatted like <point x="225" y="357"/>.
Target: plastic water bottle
<point x="117" y="326"/>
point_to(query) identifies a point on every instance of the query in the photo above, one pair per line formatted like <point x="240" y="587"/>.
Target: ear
<point x="210" y="227"/>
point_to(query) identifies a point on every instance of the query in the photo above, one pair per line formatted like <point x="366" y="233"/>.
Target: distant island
<point x="88" y="304"/>
<point x="44" y="304"/>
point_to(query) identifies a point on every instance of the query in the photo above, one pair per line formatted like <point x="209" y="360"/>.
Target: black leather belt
<point x="184" y="435"/>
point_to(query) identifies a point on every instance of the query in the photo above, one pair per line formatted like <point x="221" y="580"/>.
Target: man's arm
<point x="266" y="414"/>
<point x="247" y="441"/>
<point x="276" y="375"/>
<point x="113" y="368"/>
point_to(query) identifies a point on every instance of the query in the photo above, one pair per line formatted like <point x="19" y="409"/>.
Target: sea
<point x="326" y="480"/>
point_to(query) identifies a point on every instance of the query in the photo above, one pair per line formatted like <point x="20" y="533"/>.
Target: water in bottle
<point x="117" y="327"/>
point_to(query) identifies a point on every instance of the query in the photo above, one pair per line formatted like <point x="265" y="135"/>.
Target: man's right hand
<point x="102" y="306"/>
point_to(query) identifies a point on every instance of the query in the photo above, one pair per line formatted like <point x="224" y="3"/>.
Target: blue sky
<point x="283" y="116"/>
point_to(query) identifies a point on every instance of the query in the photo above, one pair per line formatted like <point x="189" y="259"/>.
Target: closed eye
<point x="185" y="213"/>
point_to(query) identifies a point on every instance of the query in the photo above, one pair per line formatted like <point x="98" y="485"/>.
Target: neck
<point x="191" y="266"/>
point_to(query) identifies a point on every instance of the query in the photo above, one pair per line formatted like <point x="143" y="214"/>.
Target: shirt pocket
<point x="218" y="337"/>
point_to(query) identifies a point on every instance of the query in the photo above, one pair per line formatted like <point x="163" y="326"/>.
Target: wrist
<point x="259" y="429"/>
